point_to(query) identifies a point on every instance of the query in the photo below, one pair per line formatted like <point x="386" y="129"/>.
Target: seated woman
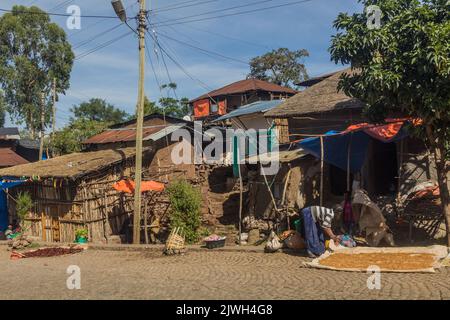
<point x="316" y="222"/>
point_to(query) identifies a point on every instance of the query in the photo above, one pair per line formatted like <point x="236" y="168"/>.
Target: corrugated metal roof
<point x="245" y="86"/>
<point x="9" y="158"/>
<point x="9" y="134"/>
<point x="255" y="107"/>
<point x="127" y="135"/>
<point x="281" y="156"/>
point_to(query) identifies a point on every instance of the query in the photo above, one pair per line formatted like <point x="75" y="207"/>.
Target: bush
<point x="185" y="203"/>
<point x="23" y="205"/>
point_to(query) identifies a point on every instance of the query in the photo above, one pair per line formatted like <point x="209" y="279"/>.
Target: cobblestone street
<point x="203" y="275"/>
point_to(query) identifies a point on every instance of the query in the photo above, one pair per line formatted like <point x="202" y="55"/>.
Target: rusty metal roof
<point x="9" y="158"/>
<point x="245" y="86"/>
<point x="129" y="134"/>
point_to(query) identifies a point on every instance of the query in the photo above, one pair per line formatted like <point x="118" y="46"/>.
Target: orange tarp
<point x="222" y="107"/>
<point x="383" y="132"/>
<point x="201" y="108"/>
<point x="128" y="186"/>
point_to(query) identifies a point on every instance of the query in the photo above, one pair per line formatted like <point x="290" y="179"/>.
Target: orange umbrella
<point x="128" y="186"/>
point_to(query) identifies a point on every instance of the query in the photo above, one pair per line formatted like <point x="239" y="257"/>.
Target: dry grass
<point x="321" y="97"/>
<point x="70" y="166"/>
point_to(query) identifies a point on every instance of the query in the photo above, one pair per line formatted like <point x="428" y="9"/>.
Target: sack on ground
<point x="295" y="242"/>
<point x="273" y="243"/>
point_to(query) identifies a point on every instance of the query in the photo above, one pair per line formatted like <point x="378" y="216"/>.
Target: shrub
<point x="23" y="205"/>
<point x="185" y="203"/>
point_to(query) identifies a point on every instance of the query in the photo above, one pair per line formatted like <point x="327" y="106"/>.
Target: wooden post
<point x="321" y="169"/>
<point x="349" y="150"/>
<point x="145" y="220"/>
<point x="53" y="117"/>
<point x="400" y="172"/>
<point x="241" y="187"/>
<point x="139" y="126"/>
<point x="41" y="136"/>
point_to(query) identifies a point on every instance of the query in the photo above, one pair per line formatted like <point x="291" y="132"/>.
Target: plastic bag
<point x="273" y="243"/>
<point x="295" y="242"/>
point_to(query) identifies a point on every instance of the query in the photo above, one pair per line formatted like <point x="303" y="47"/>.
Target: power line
<point x="180" y="66"/>
<point x="237" y="13"/>
<point x="84" y="42"/>
<point x="62" y="4"/>
<point x="101" y="46"/>
<point x="219" y="10"/>
<point x="97" y="22"/>
<point x="57" y="14"/>
<point x="205" y="51"/>
<point x="180" y="5"/>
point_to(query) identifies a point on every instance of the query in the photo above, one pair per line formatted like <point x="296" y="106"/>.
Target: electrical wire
<point x="218" y="11"/>
<point x="85" y="42"/>
<point x="62" y="4"/>
<point x="101" y="46"/>
<point x="97" y="22"/>
<point x="56" y="14"/>
<point x="181" y="6"/>
<point x="237" y="13"/>
<point x="205" y="51"/>
<point x="180" y="66"/>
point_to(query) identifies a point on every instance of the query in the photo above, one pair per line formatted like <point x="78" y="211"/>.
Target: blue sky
<point x="112" y="73"/>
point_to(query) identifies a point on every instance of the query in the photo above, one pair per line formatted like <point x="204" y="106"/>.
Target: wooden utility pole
<point x="41" y="137"/>
<point x="54" y="109"/>
<point x="53" y="117"/>
<point x="139" y="126"/>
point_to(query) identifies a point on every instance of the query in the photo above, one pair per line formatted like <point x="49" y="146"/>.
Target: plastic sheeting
<point x="4" y="202"/>
<point x="336" y="146"/>
<point x="353" y="142"/>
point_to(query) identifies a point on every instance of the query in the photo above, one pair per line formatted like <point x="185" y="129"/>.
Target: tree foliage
<point x="174" y="107"/>
<point x="98" y="110"/>
<point x="282" y="66"/>
<point x="403" y="67"/>
<point x="69" y="139"/>
<point x="185" y="204"/>
<point x="33" y="52"/>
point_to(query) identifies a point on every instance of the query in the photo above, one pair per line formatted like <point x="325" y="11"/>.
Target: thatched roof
<point x="321" y="97"/>
<point x="71" y="166"/>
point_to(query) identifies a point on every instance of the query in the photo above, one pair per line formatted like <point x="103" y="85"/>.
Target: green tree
<point x="98" y="110"/>
<point x="2" y="110"/>
<point x="282" y="66"/>
<point x="185" y="205"/>
<point x="403" y="66"/>
<point x="150" y="107"/>
<point x="33" y="52"/>
<point x="70" y="138"/>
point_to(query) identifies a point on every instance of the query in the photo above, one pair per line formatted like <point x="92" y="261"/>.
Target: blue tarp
<point x="335" y="149"/>
<point x="336" y="146"/>
<point x="4" y="202"/>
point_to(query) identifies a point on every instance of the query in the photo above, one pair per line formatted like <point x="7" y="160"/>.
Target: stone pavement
<point x="202" y="274"/>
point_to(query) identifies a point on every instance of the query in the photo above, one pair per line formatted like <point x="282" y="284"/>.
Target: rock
<point x="253" y="236"/>
<point x="114" y="240"/>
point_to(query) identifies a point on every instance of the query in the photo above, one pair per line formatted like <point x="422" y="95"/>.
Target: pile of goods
<point x="214" y="241"/>
<point x="46" y="252"/>
<point x="19" y="242"/>
<point x="383" y="260"/>
<point x="414" y="259"/>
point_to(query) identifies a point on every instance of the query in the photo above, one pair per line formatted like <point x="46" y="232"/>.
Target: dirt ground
<point x="203" y="275"/>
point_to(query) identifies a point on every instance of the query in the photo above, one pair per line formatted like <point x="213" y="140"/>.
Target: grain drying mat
<point x="387" y="259"/>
